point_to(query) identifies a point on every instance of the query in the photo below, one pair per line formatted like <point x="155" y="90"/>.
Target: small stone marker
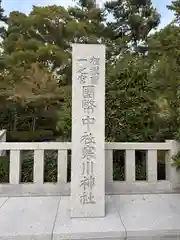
<point x="88" y="131"/>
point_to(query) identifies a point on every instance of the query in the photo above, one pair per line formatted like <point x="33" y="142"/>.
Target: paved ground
<point x="133" y="217"/>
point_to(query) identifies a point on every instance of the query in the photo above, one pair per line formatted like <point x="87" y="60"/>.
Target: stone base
<point x="108" y="228"/>
<point x="150" y="217"/>
<point x="128" y="217"/>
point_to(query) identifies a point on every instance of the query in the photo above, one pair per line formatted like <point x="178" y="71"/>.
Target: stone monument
<point x="88" y="131"/>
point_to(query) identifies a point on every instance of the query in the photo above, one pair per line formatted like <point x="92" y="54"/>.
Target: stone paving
<point x="133" y="217"/>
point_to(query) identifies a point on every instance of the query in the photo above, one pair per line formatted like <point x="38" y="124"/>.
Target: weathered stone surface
<point x="28" y="218"/>
<point x="110" y="227"/>
<point x="139" y="217"/>
<point x="3" y="201"/>
<point x="148" y="216"/>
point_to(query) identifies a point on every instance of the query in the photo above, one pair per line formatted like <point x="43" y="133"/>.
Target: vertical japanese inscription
<point x="86" y="82"/>
<point x="88" y="67"/>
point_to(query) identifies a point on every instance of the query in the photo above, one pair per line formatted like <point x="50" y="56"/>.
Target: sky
<point x="26" y="6"/>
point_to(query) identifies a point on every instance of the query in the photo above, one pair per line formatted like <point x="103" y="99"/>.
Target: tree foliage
<point x="134" y="19"/>
<point x="142" y="69"/>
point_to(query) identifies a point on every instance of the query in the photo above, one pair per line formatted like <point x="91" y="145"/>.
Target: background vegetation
<point x="142" y="70"/>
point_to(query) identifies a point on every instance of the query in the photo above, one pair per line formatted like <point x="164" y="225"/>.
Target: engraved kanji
<point x="87" y="198"/>
<point x="82" y="74"/>
<point x="88" y="138"/>
<point x="89" y="152"/>
<point x="87" y="167"/>
<point x="87" y="182"/>
<point x="88" y="105"/>
<point x="94" y="70"/>
<point x="88" y="92"/>
<point x="94" y="60"/>
<point x="87" y="121"/>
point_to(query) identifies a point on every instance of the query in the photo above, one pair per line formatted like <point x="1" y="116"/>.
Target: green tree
<point x="175" y="7"/>
<point x="89" y="20"/>
<point x="44" y="37"/>
<point x="2" y="16"/>
<point x="165" y="51"/>
<point x="37" y="38"/>
<point x="130" y="105"/>
<point x="131" y="108"/>
<point x="3" y="19"/>
<point x="134" y="20"/>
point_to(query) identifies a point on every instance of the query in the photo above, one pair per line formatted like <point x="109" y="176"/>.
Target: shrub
<point x="4" y="169"/>
<point x="50" y="166"/>
<point x="26" y="136"/>
<point x="176" y="159"/>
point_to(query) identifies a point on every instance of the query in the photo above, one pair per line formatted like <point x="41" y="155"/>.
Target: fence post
<point x="3" y="139"/>
<point x="130" y="166"/>
<point x="109" y="166"/>
<point x="15" y="167"/>
<point x="62" y="165"/>
<point x="172" y="173"/>
<point x="38" y="170"/>
<point x="151" y="166"/>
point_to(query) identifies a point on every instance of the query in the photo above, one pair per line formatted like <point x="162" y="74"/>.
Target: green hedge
<point x="4" y="169"/>
<point x="26" y="136"/>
